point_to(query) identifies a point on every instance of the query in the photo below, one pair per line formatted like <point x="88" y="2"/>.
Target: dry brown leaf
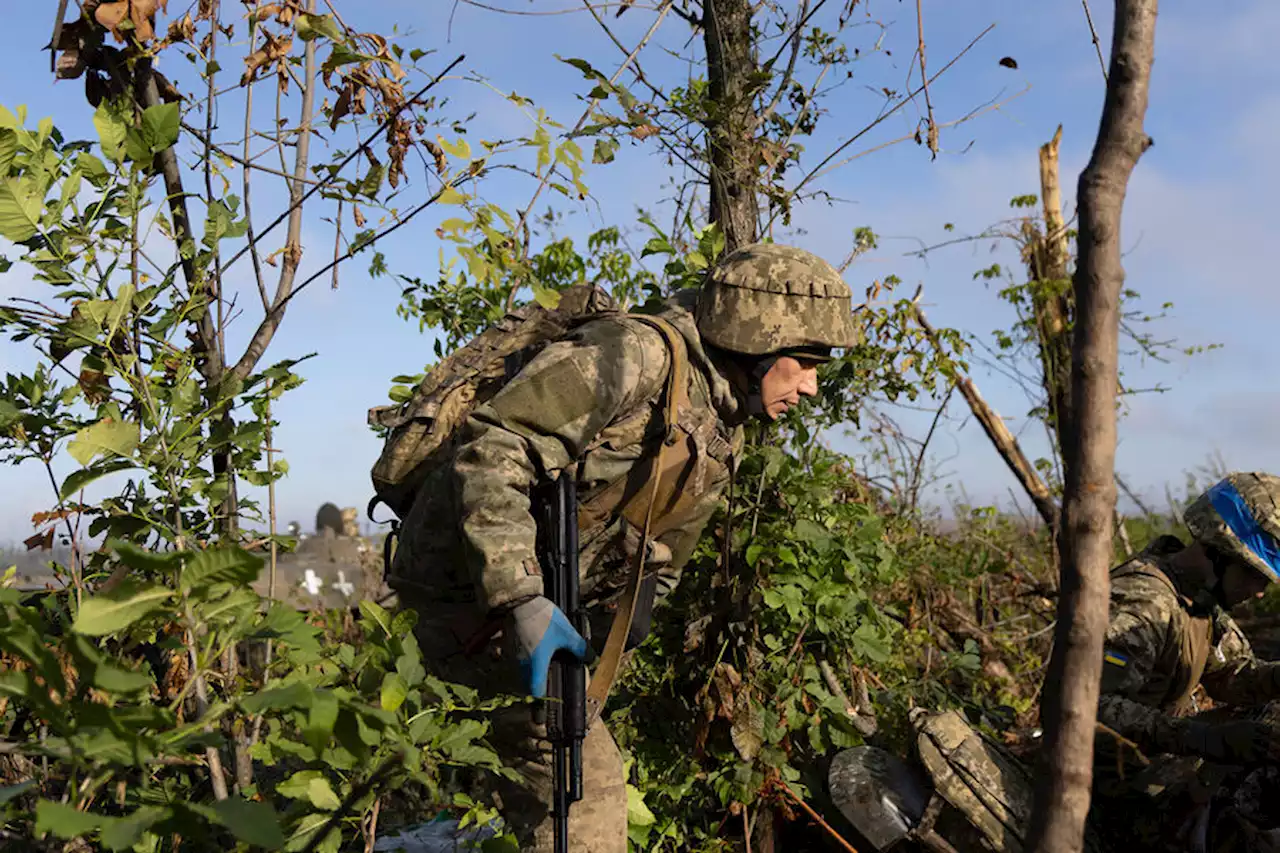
<point x="181" y="31"/>
<point x="643" y="131"/>
<point x="70" y="65"/>
<point x="111" y="15"/>
<point x="342" y="107"/>
<point x="70" y="34"/>
<point x="271" y="51"/>
<point x="143" y="13"/>
<point x="442" y="163"/>
<point x="264" y="12"/>
<point x="357" y="215"/>
<point x="42" y="540"/>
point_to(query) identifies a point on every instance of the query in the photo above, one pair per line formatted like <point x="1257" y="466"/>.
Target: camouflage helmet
<point x="764" y="298"/>
<point x="1240" y="516"/>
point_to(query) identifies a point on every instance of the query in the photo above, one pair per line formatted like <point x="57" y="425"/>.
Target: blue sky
<point x="1196" y="230"/>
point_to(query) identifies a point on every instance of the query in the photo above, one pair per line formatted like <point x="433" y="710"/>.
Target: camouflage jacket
<point x="1163" y="640"/>
<point x="595" y="398"/>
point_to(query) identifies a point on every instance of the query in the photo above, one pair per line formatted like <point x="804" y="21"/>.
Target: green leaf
<point x="545" y="296"/>
<point x="297" y="785"/>
<point x="77" y="480"/>
<point x="8" y="792"/>
<point x="123" y="833"/>
<point x="9" y="414"/>
<point x="221" y="565"/>
<point x="321" y="794"/>
<point x="63" y="820"/>
<point x="604" y="150"/>
<point x="638" y="813"/>
<point x="118" y="609"/>
<point x="8" y="150"/>
<point x="754" y="550"/>
<point x="107" y="437"/>
<point x="375" y="614"/>
<point x="141" y="558"/>
<point x="160" y="126"/>
<point x="394" y="691"/>
<point x="314" y="26"/>
<point x="295" y="695"/>
<point x="112" y="128"/>
<point x="320" y="722"/>
<point x="254" y="823"/>
<point x="115" y="679"/>
<point x="20" y="204"/>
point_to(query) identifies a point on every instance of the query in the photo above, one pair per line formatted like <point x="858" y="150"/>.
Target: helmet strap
<point x="755" y="379"/>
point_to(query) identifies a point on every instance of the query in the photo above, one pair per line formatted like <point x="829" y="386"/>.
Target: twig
<point x="337" y="244"/>
<point x="371" y="831"/>
<point x="1097" y="45"/>
<point x="917" y="473"/>
<point x="351" y="252"/>
<point x="782" y="786"/>
<point x="386" y="122"/>
<point x="357" y="793"/>
<point x="932" y="137"/>
<point x="881" y="118"/>
<point x="591" y="105"/>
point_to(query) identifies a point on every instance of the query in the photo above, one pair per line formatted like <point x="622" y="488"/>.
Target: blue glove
<point x="541" y="629"/>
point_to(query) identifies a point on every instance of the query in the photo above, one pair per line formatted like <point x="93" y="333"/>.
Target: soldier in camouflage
<point x="752" y="337"/>
<point x="1167" y="774"/>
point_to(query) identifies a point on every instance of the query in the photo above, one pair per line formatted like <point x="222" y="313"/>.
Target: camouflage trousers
<point x="598" y="822"/>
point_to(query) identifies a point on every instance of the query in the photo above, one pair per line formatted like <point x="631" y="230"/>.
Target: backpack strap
<point x="675" y="394"/>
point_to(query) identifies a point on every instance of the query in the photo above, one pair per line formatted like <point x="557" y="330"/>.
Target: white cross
<point x="343" y="586"/>
<point x="312" y="582"/>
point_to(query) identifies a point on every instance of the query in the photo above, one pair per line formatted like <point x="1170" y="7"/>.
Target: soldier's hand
<point x="542" y="629"/>
<point x="1234" y="742"/>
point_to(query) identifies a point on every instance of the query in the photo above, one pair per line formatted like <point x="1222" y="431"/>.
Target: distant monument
<point x="329" y="518"/>
<point x="351" y="522"/>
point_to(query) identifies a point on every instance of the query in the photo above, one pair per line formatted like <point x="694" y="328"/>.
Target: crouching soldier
<point x="1167" y="775"/>
<point x="620" y="397"/>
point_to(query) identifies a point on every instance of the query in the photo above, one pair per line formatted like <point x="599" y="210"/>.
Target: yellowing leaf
<point x="449" y="195"/>
<point x="460" y="149"/>
<point x="106" y="437"/>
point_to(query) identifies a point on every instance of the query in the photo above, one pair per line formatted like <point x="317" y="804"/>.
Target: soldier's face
<point x="786" y="382"/>
<point x="1241" y="582"/>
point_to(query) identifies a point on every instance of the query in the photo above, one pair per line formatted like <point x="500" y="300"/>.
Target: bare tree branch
<point x="293" y="242"/>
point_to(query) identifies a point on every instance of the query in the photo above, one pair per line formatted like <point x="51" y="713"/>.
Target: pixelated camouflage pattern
<point x="596" y="397"/>
<point x="763" y="298"/>
<point x="1170" y="637"/>
<point x="423" y="431"/>
<point x="1261" y="493"/>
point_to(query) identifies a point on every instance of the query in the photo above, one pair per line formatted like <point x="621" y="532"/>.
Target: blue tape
<point x="1235" y="512"/>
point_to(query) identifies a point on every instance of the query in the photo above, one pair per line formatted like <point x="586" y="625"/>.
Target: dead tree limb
<point x="1070" y="703"/>
<point x="1006" y="445"/>
<point x="1052" y="299"/>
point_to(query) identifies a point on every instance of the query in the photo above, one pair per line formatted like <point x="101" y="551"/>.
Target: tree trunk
<point x="1070" y="705"/>
<point x="731" y="146"/>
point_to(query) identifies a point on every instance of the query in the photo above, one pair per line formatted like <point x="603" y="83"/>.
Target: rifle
<point x="567" y="682"/>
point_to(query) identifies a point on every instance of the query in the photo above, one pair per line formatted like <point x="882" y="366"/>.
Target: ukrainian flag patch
<point x="1115" y="658"/>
